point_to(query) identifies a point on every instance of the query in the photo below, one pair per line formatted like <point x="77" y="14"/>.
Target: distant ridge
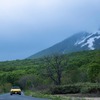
<point x="77" y="42"/>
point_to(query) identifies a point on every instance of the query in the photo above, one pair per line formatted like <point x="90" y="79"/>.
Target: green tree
<point x="93" y="71"/>
<point x="55" y="65"/>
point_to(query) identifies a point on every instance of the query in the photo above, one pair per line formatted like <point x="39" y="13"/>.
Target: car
<point x="15" y="90"/>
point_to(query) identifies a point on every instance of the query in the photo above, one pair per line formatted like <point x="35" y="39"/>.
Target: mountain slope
<point x="78" y="42"/>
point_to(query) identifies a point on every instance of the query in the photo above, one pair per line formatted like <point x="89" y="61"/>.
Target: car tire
<point x="19" y="93"/>
<point x="10" y="93"/>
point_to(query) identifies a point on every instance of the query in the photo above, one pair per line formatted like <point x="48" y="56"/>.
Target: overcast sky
<point x="29" y="26"/>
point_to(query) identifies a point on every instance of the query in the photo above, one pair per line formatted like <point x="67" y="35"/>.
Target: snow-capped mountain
<point x="78" y="42"/>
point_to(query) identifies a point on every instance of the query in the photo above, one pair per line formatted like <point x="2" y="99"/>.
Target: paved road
<point x="18" y="97"/>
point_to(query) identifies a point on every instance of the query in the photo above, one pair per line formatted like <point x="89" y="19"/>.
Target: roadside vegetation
<point x="57" y="74"/>
<point x="52" y="97"/>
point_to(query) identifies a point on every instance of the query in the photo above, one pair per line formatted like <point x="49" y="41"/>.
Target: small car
<point x="15" y="90"/>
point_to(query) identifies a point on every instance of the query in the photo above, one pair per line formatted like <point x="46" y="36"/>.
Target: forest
<point x="76" y="72"/>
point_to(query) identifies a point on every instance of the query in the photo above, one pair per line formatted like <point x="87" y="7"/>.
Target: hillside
<point x="29" y="73"/>
<point x="78" y="42"/>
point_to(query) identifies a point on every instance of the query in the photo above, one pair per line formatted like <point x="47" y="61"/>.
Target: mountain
<point x="78" y="42"/>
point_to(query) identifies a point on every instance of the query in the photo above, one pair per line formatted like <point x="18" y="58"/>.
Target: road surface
<point x="18" y="97"/>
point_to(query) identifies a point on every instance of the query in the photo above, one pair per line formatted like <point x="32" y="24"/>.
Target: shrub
<point x="90" y="88"/>
<point x="65" y="89"/>
<point x="5" y="87"/>
<point x="76" y="88"/>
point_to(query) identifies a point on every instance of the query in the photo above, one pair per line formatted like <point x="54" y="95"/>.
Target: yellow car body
<point x="15" y="90"/>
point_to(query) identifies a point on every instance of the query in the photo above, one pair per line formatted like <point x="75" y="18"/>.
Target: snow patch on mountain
<point x="82" y="40"/>
<point x="89" y="40"/>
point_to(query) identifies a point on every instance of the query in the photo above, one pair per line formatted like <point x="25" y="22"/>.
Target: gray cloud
<point x="28" y="26"/>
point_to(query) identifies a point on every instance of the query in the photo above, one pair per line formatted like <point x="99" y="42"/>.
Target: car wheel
<point x="19" y="93"/>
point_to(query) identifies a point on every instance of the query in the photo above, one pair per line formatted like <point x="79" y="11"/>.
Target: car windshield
<point x="15" y="87"/>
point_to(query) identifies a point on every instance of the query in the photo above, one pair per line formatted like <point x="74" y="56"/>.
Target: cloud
<point x="37" y="24"/>
<point x="18" y="16"/>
